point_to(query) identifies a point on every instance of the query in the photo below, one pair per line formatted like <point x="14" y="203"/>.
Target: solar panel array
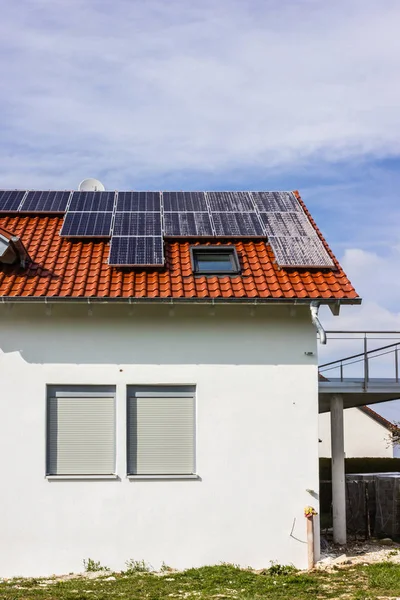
<point x="92" y="201"/>
<point x="10" y="201"/>
<point x="293" y="239"/>
<point x="89" y="214"/>
<point x="87" y="224"/>
<point x="48" y="202"/>
<point x="137" y="222"/>
<point x="137" y="234"/>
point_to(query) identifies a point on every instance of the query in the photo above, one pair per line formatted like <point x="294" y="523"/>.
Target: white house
<point x="146" y="386"/>
<point x="366" y="433"/>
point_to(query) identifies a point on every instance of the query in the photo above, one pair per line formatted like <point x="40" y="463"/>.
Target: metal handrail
<point x="365" y="357"/>
<point x="360" y="354"/>
<point x="354" y="362"/>
<point x="363" y="331"/>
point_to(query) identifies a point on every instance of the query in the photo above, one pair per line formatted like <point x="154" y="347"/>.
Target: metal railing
<point x="363" y="358"/>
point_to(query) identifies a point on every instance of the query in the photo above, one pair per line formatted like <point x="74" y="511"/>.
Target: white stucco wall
<point x="247" y="506"/>
<point x="363" y="436"/>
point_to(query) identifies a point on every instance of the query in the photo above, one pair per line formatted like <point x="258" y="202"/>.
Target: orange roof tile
<point x="65" y="268"/>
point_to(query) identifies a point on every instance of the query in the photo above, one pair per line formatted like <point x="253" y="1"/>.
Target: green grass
<point x="220" y="582"/>
<point x="91" y="566"/>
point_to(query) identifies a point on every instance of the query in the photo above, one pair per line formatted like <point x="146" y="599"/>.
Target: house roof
<point x="63" y="268"/>
<point x="374" y="415"/>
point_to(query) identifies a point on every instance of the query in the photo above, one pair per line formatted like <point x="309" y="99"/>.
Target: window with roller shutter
<point x="80" y="431"/>
<point x="161" y="431"/>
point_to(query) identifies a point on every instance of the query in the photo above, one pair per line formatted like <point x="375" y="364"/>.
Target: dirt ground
<point x="359" y="552"/>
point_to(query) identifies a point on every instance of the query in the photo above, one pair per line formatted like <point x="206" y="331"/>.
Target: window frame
<point x="229" y="250"/>
<point x="78" y="391"/>
<point x="161" y="391"/>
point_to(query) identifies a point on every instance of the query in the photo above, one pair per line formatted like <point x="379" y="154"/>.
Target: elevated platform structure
<point x="336" y="377"/>
<point x="346" y="383"/>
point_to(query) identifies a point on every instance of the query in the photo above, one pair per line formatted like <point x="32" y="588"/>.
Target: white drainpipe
<point x="314" y="307"/>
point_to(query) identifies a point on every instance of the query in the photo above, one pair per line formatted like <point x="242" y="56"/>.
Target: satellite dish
<point x="91" y="185"/>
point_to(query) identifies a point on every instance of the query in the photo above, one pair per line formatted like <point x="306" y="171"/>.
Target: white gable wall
<point x="363" y="436"/>
<point x="247" y="506"/>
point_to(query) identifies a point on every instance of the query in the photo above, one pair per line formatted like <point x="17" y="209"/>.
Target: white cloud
<point x="376" y="277"/>
<point x="377" y="280"/>
<point x="135" y="90"/>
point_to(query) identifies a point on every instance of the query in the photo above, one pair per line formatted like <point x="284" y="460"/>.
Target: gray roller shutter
<point x="81" y="435"/>
<point x="161" y="434"/>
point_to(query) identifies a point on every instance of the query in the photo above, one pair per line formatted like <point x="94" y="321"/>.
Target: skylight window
<point x="215" y="260"/>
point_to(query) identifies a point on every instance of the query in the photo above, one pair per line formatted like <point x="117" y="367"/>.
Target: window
<point x="161" y="431"/>
<point x="219" y="260"/>
<point x="81" y="430"/>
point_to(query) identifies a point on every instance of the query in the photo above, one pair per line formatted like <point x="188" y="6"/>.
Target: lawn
<point x="220" y="582"/>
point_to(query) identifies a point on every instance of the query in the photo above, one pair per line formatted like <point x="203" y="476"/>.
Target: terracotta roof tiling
<point x="65" y="268"/>
<point x="374" y="415"/>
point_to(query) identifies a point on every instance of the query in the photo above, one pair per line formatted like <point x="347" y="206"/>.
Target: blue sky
<point x="263" y="94"/>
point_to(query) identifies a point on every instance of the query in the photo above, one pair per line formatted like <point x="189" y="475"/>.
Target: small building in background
<point x="366" y="434"/>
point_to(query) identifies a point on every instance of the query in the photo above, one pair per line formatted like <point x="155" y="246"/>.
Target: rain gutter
<point x="250" y="301"/>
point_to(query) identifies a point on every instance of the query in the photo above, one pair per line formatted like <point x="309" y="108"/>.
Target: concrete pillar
<point x="338" y="477"/>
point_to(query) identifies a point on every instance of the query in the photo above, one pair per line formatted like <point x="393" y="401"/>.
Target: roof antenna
<point x="91" y="185"/>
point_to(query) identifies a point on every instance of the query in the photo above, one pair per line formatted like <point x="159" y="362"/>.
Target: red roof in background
<point x="67" y="268"/>
<point x="374" y="415"/>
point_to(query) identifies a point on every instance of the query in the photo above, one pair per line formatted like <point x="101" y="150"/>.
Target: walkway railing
<point x="339" y="369"/>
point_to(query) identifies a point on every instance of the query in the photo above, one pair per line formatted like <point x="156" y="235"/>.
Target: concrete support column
<point x="338" y="477"/>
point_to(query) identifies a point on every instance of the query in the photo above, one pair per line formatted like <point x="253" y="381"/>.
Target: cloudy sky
<point x="256" y="94"/>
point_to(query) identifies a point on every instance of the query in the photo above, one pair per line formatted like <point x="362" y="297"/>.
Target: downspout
<point x="314" y="307"/>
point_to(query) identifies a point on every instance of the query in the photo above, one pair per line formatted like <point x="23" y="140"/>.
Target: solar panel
<point x="185" y="201"/>
<point x="48" y="202"/>
<point x="240" y="202"/>
<point x="287" y="224"/>
<point x="137" y="223"/>
<point x="140" y="201"/>
<point x="237" y="225"/>
<point x="135" y="251"/>
<point x="92" y="201"/>
<point x="85" y="224"/>
<point x="300" y="252"/>
<point x="187" y="224"/>
<point x="276" y="201"/>
<point x="10" y="200"/>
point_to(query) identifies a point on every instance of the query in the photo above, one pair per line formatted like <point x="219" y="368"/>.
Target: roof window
<point x="12" y="249"/>
<point x="215" y="260"/>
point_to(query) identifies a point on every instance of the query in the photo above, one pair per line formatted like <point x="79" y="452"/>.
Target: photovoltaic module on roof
<point x="85" y="224"/>
<point x="185" y="202"/>
<point x="138" y="201"/>
<point x="237" y="202"/>
<point x="187" y="224"/>
<point x="45" y="202"/>
<point x="92" y="201"/>
<point x="237" y="224"/>
<point x="147" y="216"/>
<point x="136" y="251"/>
<point x="10" y="200"/>
<point x="137" y="224"/>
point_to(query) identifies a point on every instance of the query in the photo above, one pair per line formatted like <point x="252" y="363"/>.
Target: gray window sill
<point x="144" y="477"/>
<point x="80" y="477"/>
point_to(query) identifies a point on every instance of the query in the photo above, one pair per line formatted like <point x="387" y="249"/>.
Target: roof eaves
<point x="170" y="300"/>
<point x="377" y="417"/>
